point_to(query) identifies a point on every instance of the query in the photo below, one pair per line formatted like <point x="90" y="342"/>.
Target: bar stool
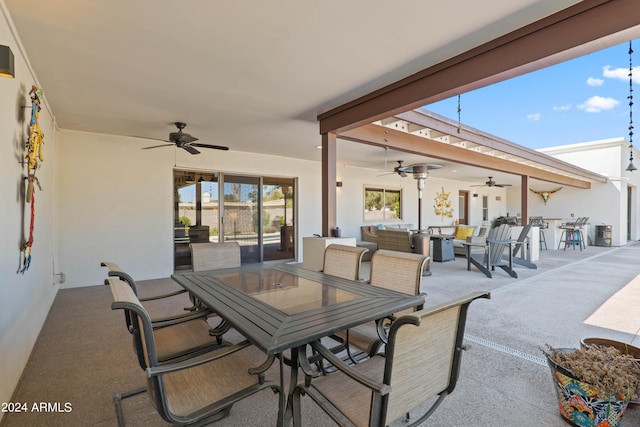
<point x="572" y="234"/>
<point x="567" y="229"/>
<point x="537" y="221"/>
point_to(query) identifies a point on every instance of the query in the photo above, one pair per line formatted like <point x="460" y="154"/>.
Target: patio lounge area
<point x="83" y="354"/>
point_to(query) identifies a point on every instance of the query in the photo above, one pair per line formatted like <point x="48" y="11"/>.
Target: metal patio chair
<point x="422" y="360"/>
<point x="343" y="261"/>
<point x="399" y="271"/>
<point x="198" y="389"/>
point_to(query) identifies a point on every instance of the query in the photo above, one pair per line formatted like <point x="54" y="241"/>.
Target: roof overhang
<point x="428" y="134"/>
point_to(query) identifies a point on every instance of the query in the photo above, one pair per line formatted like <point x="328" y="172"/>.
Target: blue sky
<point x="582" y="100"/>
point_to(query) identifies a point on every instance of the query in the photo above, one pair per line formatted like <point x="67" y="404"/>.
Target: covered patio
<point x="108" y="92"/>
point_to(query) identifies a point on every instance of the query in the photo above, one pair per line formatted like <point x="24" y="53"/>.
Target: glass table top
<point x="286" y="292"/>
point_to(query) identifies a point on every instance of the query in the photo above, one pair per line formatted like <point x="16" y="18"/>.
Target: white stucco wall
<point x="116" y="201"/>
<point x="25" y="299"/>
<point x="350" y="199"/>
<point x="604" y="203"/>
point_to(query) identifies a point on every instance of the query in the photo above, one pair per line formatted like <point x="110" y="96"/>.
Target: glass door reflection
<point x="242" y="216"/>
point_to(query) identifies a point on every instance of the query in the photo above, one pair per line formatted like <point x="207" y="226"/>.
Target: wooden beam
<point x="564" y="35"/>
<point x="329" y="203"/>
<point x="524" y="199"/>
<point x="385" y="137"/>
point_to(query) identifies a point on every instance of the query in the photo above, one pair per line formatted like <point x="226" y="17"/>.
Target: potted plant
<point x="593" y="384"/>
<point x="623" y="348"/>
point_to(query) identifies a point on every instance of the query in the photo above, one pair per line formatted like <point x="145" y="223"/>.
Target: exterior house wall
<point x="603" y="203"/>
<point x="116" y="201"/>
<point x="25" y="299"/>
<point x="350" y="199"/>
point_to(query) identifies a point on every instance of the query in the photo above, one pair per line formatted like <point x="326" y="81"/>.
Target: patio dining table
<point x="286" y="307"/>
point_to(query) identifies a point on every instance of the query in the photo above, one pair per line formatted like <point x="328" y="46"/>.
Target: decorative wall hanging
<point x="34" y="159"/>
<point x="546" y="194"/>
<point x="443" y="205"/>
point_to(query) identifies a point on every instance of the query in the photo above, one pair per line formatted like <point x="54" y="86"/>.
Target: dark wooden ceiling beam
<point x="554" y="39"/>
<point x="398" y="140"/>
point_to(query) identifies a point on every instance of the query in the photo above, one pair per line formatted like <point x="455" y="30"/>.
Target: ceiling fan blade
<point x="502" y="185"/>
<point x="189" y="148"/>
<point x="215" y="147"/>
<point x="157" y="146"/>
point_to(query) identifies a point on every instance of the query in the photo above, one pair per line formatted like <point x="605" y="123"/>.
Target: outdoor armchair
<point x="521" y="245"/>
<point x="197" y="389"/>
<point x="498" y="240"/>
<point x="422" y="360"/>
<point x="176" y="339"/>
<point x="343" y="261"/>
<point x="170" y="304"/>
<point x="399" y="271"/>
<point x="214" y="256"/>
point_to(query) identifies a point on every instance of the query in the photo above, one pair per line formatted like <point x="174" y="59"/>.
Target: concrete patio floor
<point x="504" y="378"/>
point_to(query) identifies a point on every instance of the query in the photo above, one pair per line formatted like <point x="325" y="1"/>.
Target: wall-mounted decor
<point x="545" y="194"/>
<point x="34" y="159"/>
<point x="442" y="206"/>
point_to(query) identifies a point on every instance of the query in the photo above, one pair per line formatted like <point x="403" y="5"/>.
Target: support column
<point x="524" y="199"/>
<point x="329" y="209"/>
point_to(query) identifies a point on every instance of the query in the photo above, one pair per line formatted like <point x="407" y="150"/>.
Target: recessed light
<point x="318" y="146"/>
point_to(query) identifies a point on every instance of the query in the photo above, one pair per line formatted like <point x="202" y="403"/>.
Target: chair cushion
<point x="463" y="232"/>
<point x="350" y="397"/>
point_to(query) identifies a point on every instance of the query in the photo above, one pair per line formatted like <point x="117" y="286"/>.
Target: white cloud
<point x="596" y="104"/>
<point x="592" y="81"/>
<point x="534" y="117"/>
<point x="621" y="73"/>
<point x="565" y="107"/>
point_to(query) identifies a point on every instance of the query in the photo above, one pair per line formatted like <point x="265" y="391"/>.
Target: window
<point x="382" y="203"/>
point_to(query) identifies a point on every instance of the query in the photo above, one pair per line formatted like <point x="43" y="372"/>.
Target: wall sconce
<point x="339" y="184"/>
<point x="475" y="194"/>
<point x="6" y="62"/>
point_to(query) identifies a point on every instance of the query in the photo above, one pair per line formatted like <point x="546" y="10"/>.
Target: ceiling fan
<point x="185" y="141"/>
<point x="491" y="183"/>
<point x="417" y="169"/>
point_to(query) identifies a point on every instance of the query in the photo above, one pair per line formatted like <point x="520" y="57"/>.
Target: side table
<point x="442" y="247"/>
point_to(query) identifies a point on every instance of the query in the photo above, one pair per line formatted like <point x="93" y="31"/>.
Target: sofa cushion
<point x="463" y="232"/>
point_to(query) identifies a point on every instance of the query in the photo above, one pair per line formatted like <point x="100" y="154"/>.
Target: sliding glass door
<point x="241" y="215"/>
<point x="196" y="212"/>
<point x="278" y="218"/>
<point x="257" y="212"/>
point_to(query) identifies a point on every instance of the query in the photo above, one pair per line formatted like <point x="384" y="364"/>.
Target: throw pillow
<point x="463" y="232"/>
